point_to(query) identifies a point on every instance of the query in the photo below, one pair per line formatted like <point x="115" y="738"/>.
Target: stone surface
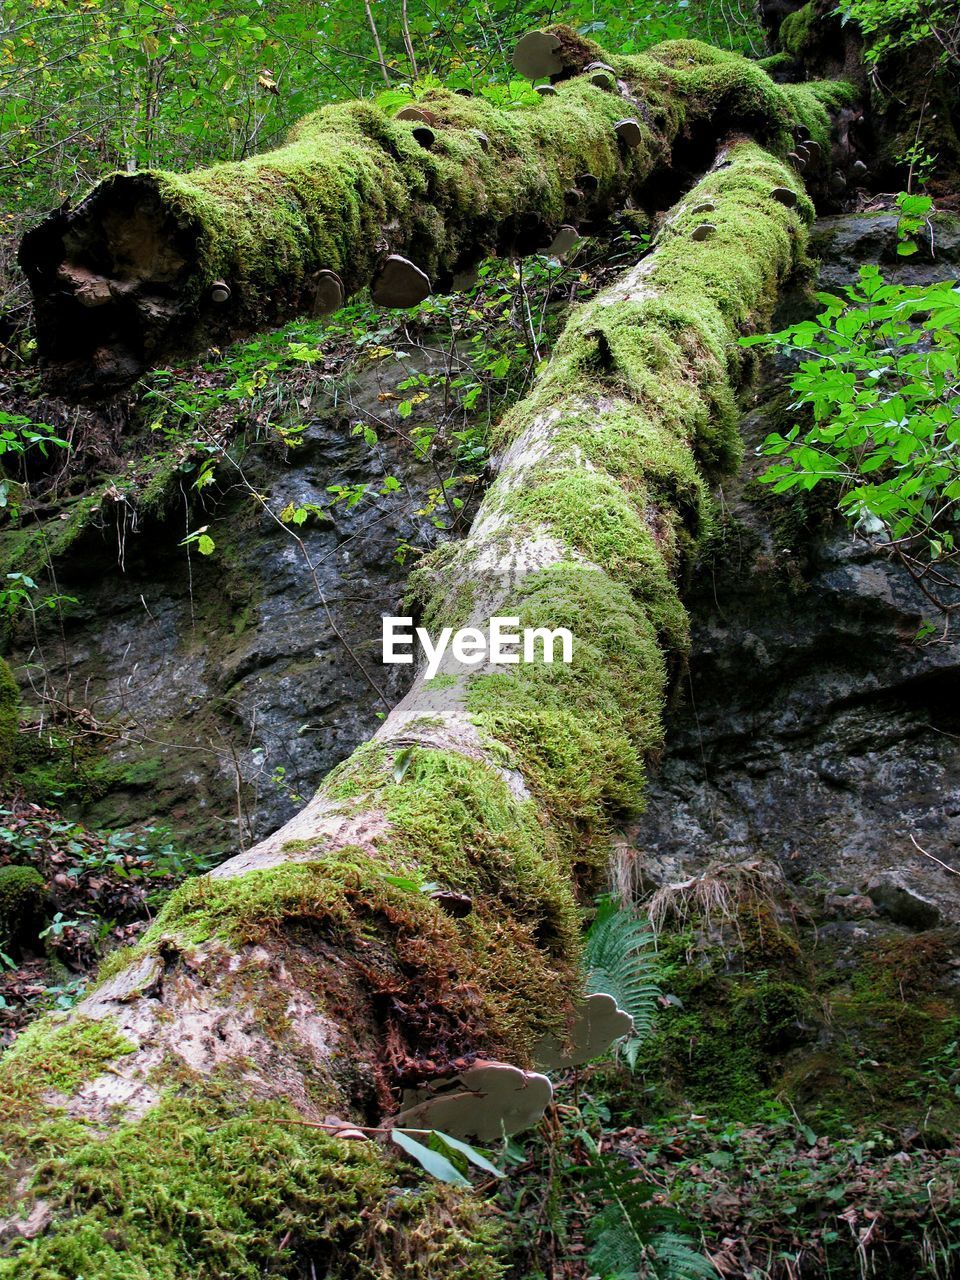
<point x="811" y="729"/>
<point x="845" y="242"/>
<point x="227" y="677"/>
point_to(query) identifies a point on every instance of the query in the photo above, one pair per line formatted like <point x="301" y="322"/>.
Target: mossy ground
<point x="768" y="1017"/>
<point x="9" y="717"/>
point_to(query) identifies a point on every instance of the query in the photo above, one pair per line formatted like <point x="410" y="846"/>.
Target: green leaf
<point x="205" y="544"/>
<point x="472" y="1154"/>
<point x="401" y="763"/>
<point x="437" y="1165"/>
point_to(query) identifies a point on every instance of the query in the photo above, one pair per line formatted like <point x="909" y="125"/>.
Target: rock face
<point x="847" y="241"/>
<point x="231" y="684"/>
<point x="811" y="729"/>
<point x="811" y="754"/>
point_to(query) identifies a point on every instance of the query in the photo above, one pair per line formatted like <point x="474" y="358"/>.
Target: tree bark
<point x="154" y="265"/>
<point x="157" y="1130"/>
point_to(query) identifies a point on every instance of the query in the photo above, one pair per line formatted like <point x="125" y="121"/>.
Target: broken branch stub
<point x="399" y="283"/>
<point x="599" y="1022"/>
<point x="486" y="1102"/>
<point x="536" y="55"/>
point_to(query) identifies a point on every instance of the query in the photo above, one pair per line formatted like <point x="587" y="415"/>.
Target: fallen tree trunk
<point x="422" y="914"/>
<point x="153" y="265"/>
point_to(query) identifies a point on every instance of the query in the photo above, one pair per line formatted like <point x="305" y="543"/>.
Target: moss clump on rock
<point x="798" y="30"/>
<point x="9" y="717"/>
<point x="21" y="895"/>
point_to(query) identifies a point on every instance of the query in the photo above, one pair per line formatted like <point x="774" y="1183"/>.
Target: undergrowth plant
<point x="633" y="1235"/>
<point x="621" y="960"/>
<point x="877" y="402"/>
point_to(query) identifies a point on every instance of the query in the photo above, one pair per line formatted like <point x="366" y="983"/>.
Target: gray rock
<point x="902" y="904"/>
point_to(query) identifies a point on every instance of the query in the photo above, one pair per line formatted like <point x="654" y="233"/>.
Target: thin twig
<point x="946" y="866"/>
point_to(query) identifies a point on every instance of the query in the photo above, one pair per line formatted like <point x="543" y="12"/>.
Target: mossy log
<point x="158" y="1130"/>
<point x="153" y="265"/>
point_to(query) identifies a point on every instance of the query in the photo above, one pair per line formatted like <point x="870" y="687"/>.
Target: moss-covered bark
<point x="152" y="1132"/>
<point x="128" y="277"/>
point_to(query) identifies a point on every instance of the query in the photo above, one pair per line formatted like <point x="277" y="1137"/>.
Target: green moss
<point x="442" y="682"/>
<point x="208" y="1184"/>
<point x="31" y="548"/>
<point x="501" y="976"/>
<point x="56" y="1054"/>
<point x="724" y="1049"/>
<point x="56" y="769"/>
<point x="579" y="731"/>
<point x="798" y="29"/>
<point x="9" y="717"/>
<point x="775" y="63"/>
<point x="21" y="891"/>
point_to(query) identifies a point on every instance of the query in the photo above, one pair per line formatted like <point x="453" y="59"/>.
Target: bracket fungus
<point x="458" y="905"/>
<point x="565" y="239"/>
<point x="416" y="114"/>
<point x="344" y="1130"/>
<point x="328" y="293"/>
<point x="785" y="196"/>
<point x="536" y="55"/>
<point x="703" y="232"/>
<point x="545" y="90"/>
<point x="629" y="132"/>
<point x="603" y="80"/>
<point x="599" y="1022"/>
<point x="220" y="292"/>
<point x="399" y="283"/>
<point x="485" y="1101"/>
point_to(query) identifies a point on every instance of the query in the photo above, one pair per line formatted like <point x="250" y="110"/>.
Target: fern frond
<point x="633" y="1238"/>
<point x="676" y="1258"/>
<point x="621" y="960"/>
